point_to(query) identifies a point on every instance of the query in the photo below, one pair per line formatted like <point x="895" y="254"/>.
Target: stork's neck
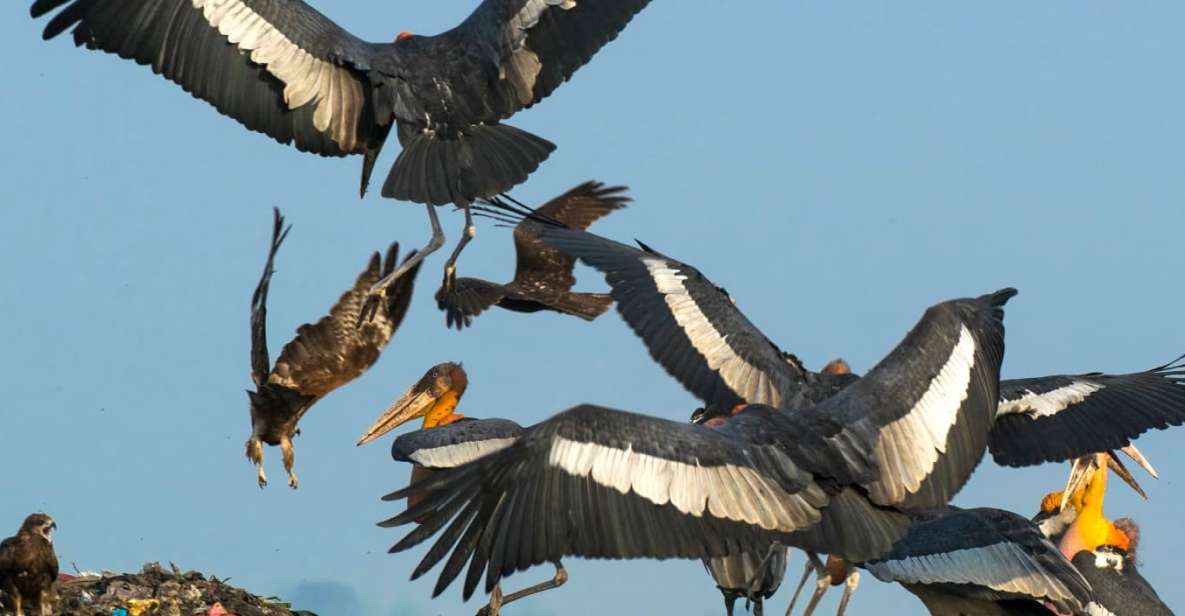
<point x="1090" y="529"/>
<point x="441" y="413"/>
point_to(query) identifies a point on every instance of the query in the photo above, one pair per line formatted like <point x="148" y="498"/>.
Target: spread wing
<point x="260" y="360"/>
<point x="277" y="66"/>
<point x="467" y="298"/>
<point x="926" y="409"/>
<point x="635" y="486"/>
<point x="984" y="553"/>
<point x="526" y="49"/>
<point x="1056" y="418"/>
<point x="456" y="443"/>
<point x="337" y="349"/>
<point x="691" y="327"/>
<point x="540" y="266"/>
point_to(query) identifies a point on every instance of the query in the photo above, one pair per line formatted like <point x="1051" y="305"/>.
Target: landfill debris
<point x="155" y="591"/>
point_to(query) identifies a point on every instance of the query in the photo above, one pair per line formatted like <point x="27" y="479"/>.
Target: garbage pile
<point x="159" y="592"/>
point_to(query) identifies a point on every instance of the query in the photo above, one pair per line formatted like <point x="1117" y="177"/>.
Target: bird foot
<point x="495" y="605"/>
<point x="292" y="482"/>
<point x="262" y="479"/>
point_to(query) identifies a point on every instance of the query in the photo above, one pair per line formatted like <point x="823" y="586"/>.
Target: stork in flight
<point x="990" y="561"/>
<point x="693" y="328"/>
<point x="837" y="477"/>
<point x="322" y="357"/>
<point x="281" y="68"/>
<point x="446" y="440"/>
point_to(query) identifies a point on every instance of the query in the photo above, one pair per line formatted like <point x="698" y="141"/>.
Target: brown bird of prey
<point x="322" y="357"/>
<point x="543" y="275"/>
<point x="29" y="566"/>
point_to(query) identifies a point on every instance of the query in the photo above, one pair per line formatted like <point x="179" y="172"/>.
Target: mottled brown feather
<point x="337" y="349"/>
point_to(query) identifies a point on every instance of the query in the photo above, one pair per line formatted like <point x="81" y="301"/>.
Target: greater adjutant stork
<point x="836" y="477"/>
<point x="693" y="328"/>
<point x="994" y="562"/>
<point x="322" y="357"/>
<point x="281" y="68"/>
<point x="448" y="439"/>
<point x="543" y="276"/>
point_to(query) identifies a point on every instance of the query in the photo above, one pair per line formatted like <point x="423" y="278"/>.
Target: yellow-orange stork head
<point x="837" y="366"/>
<point x="434" y="397"/>
<point x="1090" y="530"/>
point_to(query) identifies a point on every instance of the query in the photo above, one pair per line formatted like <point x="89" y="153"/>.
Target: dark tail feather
<point x="587" y="306"/>
<point x="483" y="161"/>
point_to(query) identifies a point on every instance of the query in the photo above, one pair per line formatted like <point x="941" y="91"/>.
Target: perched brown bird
<point x="322" y="357"/>
<point x="29" y="566"/>
<point x="543" y="275"/>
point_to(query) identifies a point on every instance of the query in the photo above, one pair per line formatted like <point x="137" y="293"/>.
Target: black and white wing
<point x="926" y="409"/>
<point x="1057" y="418"/>
<point x="634" y="486"/>
<point x="986" y="554"/>
<point x="456" y="443"/>
<point x="691" y="326"/>
<point x="1118" y="586"/>
<point x="260" y="360"/>
<point x="277" y="66"/>
<point x="536" y="46"/>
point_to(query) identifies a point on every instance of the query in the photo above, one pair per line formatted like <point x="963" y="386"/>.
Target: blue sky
<point x="837" y="166"/>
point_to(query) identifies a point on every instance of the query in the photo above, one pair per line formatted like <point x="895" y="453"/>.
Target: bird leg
<point x="45" y="603"/>
<point x="495" y="605"/>
<point x="467" y="234"/>
<point x="758" y="606"/>
<point x="813" y="565"/>
<point x="729" y="601"/>
<point x="561" y="576"/>
<point x="378" y="291"/>
<point x="850" y="584"/>
<point x="759" y="573"/>
<point x="16" y="604"/>
<point x="289" y="460"/>
<point x="255" y="455"/>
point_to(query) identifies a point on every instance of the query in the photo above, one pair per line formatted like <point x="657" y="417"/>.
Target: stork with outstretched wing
<point x="694" y="329"/>
<point x="282" y="68"/>
<point x="837" y="477"/>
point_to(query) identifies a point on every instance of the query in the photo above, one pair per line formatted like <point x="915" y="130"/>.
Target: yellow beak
<point x="413" y="404"/>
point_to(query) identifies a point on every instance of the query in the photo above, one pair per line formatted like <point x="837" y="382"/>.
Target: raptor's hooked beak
<point x="47" y="531"/>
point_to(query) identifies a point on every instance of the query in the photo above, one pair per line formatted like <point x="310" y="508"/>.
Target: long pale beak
<point x="1121" y="471"/>
<point x="1081" y="471"/>
<point x="413" y="404"/>
<point x="1139" y="458"/>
